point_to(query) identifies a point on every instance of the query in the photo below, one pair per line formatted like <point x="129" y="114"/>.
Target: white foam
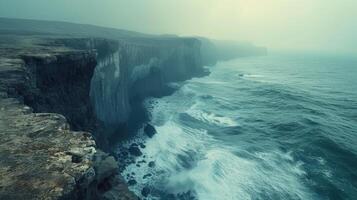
<point x="164" y="148"/>
<point x="216" y="172"/>
<point x="250" y="75"/>
<point x="212" y="118"/>
<point x="207" y="81"/>
<point x="223" y="175"/>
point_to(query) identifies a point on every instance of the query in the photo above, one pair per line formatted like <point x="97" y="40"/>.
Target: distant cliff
<point x="216" y="50"/>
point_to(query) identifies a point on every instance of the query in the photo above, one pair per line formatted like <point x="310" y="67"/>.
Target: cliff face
<point x="136" y="70"/>
<point x="60" y="84"/>
<point x="170" y="63"/>
<point x="41" y="157"/>
<point x="109" y="90"/>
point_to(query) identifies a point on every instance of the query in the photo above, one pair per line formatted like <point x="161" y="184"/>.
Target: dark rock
<point x="135" y="151"/>
<point x="76" y="158"/>
<point x="151" y="164"/>
<point x="119" y="192"/>
<point x="145" y="191"/>
<point x="149" y="130"/>
<point x="105" y="166"/>
<point x="123" y="154"/>
<point x="132" y="182"/>
<point x="142" y="145"/>
<point x="146" y="176"/>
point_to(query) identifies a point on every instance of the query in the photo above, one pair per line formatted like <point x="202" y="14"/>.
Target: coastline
<point x="96" y="87"/>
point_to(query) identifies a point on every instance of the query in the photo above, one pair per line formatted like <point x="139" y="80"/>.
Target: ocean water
<point x="283" y="126"/>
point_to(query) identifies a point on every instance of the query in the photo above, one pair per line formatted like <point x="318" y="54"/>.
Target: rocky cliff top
<point x="41" y="158"/>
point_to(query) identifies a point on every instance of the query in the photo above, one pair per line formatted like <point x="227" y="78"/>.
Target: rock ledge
<point x="41" y="157"/>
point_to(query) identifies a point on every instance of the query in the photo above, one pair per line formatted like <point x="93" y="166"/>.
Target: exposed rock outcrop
<point x="41" y="157"/>
<point x="60" y="84"/>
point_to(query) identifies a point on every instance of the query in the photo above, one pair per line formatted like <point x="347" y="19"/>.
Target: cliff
<point x="128" y="71"/>
<point x="219" y="50"/>
<point x="41" y="157"/>
<point x="135" y="71"/>
<point x="90" y="84"/>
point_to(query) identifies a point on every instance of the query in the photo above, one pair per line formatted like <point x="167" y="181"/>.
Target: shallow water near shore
<point x="283" y="126"/>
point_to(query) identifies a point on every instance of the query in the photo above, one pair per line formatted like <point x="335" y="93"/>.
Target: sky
<point x="326" y="25"/>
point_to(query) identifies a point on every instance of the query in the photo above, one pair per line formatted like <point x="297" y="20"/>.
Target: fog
<point x="326" y="25"/>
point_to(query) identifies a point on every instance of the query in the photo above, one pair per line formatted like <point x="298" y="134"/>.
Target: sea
<point x="281" y="126"/>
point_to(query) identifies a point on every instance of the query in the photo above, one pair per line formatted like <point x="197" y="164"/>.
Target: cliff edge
<point x="41" y="157"/>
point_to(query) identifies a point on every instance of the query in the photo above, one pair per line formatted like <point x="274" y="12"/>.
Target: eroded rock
<point x="41" y="157"/>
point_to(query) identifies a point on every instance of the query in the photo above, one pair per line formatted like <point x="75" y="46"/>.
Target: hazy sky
<point x="303" y="24"/>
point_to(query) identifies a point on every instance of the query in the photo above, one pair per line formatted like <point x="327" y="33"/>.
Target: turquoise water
<point x="283" y="126"/>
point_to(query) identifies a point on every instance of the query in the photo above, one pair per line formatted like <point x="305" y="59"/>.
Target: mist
<point x="320" y="25"/>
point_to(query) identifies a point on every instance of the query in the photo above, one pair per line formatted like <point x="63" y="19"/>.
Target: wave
<point x="172" y="149"/>
<point x="223" y="175"/>
<point x="188" y="159"/>
<point x="249" y="75"/>
<point x="211" y="118"/>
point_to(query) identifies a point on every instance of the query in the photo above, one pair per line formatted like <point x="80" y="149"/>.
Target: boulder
<point x="150" y="130"/>
<point x="145" y="191"/>
<point x="135" y="150"/>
